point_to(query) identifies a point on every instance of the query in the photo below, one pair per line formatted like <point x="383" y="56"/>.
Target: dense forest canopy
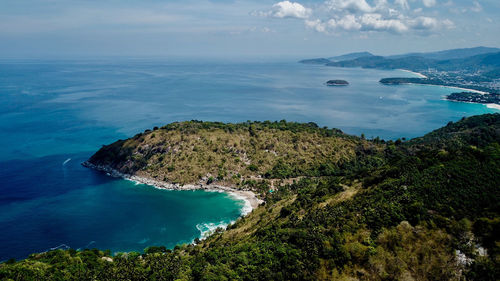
<point x="346" y="208"/>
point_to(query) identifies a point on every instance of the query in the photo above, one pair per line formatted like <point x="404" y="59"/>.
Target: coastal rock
<point x="245" y="194"/>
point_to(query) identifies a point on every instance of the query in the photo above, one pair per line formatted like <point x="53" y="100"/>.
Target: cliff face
<point x="233" y="154"/>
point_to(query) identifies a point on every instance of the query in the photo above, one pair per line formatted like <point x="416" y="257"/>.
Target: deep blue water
<point x="52" y="111"/>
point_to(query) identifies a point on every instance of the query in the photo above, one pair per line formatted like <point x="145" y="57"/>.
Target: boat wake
<point x="66" y="161"/>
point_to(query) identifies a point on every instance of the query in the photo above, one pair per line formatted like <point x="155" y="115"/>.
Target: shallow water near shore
<point x="55" y="114"/>
<point x="71" y="206"/>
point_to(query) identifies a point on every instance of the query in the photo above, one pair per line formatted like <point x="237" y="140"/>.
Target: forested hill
<point x="244" y="155"/>
<point x="426" y="209"/>
<point x="473" y="60"/>
<point x="485" y="63"/>
<point x="476" y="131"/>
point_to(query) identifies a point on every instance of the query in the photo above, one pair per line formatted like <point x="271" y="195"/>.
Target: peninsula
<point x="336" y="207"/>
<point x="251" y="156"/>
<point x="475" y="97"/>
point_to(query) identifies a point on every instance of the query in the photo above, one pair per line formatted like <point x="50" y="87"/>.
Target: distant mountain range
<point x="483" y="59"/>
<point x="351" y="56"/>
<point x="450" y="54"/>
<point x="346" y="57"/>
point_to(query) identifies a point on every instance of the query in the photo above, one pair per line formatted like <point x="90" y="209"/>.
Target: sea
<point x="54" y="114"/>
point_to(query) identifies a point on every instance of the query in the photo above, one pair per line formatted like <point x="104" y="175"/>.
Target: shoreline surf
<point x="248" y="196"/>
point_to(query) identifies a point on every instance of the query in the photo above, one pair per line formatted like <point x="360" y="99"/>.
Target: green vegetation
<point x="474" y="97"/>
<point x="440" y="55"/>
<point x="238" y="155"/>
<point x="425" y="209"/>
<point x="434" y="81"/>
<point x="488" y="63"/>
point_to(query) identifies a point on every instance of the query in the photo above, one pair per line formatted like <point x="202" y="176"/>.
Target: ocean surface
<point x="55" y="114"/>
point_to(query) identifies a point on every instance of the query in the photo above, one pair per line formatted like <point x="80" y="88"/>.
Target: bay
<point x="55" y="114"/>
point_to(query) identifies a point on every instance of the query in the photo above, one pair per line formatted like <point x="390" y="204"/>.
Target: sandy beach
<point x="465" y="89"/>
<point x="450" y="87"/>
<point x="493" y="105"/>
<point x="250" y="198"/>
<point x="420" y="75"/>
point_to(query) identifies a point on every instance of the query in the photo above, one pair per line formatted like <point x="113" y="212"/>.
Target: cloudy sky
<point x="250" y="28"/>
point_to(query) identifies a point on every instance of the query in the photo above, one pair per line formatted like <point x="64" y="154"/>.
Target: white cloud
<point x="349" y="22"/>
<point x="354" y="6"/>
<point x="424" y="23"/>
<point x="448" y="24"/>
<point x="476" y="7"/>
<point x="403" y="4"/>
<point x="394" y="16"/>
<point x="378" y="23"/>
<point x="287" y="9"/>
<point x="317" y="25"/>
<point x="429" y="3"/>
<point x="428" y="23"/>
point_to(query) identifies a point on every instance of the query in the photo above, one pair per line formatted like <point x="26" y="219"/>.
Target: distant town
<point x="475" y="70"/>
<point x="465" y="78"/>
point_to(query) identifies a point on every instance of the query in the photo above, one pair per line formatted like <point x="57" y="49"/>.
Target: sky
<point x="242" y="29"/>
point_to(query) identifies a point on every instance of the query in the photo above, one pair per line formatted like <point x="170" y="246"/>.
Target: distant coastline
<point x="426" y="81"/>
<point x="468" y="95"/>
<point x="420" y="75"/>
<point x="465" y="89"/>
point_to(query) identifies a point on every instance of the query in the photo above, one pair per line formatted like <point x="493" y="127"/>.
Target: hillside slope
<point x="236" y="155"/>
<point x="483" y="62"/>
<point x="427" y="209"/>
<point x="451" y="54"/>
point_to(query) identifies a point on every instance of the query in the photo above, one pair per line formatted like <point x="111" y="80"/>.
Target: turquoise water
<point x="55" y="114"/>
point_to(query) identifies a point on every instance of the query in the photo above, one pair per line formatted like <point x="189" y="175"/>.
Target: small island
<point x="337" y="83"/>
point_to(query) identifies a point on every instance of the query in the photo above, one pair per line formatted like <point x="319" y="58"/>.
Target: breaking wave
<point x="208" y="228"/>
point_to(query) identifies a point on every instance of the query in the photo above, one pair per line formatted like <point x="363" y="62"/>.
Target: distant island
<point x="337" y="83"/>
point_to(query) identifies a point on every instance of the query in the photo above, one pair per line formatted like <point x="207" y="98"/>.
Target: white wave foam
<point x="66" y="161"/>
<point x="62" y="246"/>
<point x="208" y="228"/>
<point x="137" y="182"/>
<point x="247" y="207"/>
